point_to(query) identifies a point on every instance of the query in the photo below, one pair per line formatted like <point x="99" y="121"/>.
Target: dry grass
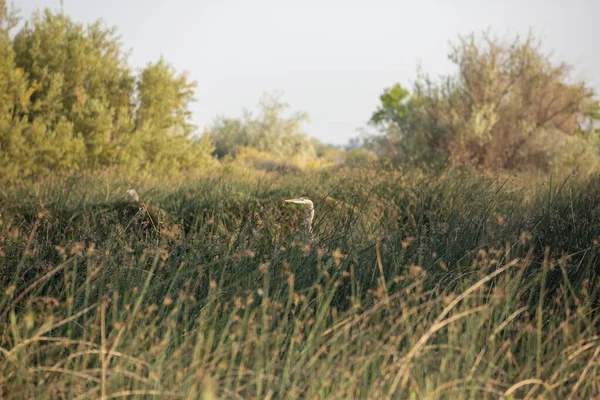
<point x="428" y="287"/>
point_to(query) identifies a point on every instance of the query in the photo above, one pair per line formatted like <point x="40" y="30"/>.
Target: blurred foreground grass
<point x="422" y="286"/>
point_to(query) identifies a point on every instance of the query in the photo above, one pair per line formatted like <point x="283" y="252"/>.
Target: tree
<point x="78" y="73"/>
<point x="505" y="103"/>
<point x="18" y="155"/>
<point x="269" y="131"/>
<point x="68" y="101"/>
<point x="393" y="109"/>
<point x="228" y="135"/>
<point x="164" y="98"/>
<point x="11" y="79"/>
<point x="508" y="107"/>
<point x="400" y="117"/>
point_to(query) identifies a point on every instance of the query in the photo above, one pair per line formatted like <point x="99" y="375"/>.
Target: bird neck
<point x="310" y="215"/>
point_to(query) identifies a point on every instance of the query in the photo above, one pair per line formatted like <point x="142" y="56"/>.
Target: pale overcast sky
<point x="330" y="58"/>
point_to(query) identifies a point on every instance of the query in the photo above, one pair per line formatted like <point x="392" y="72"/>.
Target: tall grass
<point x="421" y="286"/>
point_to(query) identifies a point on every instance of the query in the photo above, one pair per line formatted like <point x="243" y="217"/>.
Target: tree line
<point x="508" y="107"/>
<point x="70" y="101"/>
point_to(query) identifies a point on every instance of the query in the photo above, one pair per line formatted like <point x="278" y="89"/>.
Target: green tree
<point x="228" y="135"/>
<point x="509" y="107"/>
<point x="69" y="101"/>
<point x="394" y="108"/>
<point x="400" y="117"/>
<point x="164" y="98"/>
<point x="17" y="156"/>
<point x="162" y="137"/>
<point x="80" y="73"/>
<point x="10" y="77"/>
<point x="270" y="130"/>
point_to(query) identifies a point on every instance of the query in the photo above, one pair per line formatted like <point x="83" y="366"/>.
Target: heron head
<point x="132" y="195"/>
<point x="300" y="200"/>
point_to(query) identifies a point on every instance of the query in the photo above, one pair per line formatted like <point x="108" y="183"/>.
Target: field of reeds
<point x="421" y="286"/>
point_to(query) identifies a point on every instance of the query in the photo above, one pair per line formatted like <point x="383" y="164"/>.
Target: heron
<point x="336" y="255"/>
<point x="132" y="207"/>
<point x="310" y="213"/>
<point x="133" y="196"/>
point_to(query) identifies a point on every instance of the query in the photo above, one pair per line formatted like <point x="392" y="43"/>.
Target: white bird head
<point x="132" y="195"/>
<point x="300" y="200"/>
<point x="310" y="214"/>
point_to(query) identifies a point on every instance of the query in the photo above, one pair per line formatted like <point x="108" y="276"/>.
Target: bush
<point x="509" y="107"/>
<point x="269" y="132"/>
<point x="70" y="103"/>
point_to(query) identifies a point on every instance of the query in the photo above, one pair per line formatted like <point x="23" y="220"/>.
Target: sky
<point x="329" y="58"/>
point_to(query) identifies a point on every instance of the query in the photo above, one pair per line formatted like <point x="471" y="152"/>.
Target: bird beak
<point x="297" y="201"/>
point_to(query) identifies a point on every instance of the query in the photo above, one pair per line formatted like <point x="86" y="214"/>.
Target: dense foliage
<point x="70" y="102"/>
<point x="508" y="107"/>
<point x="420" y="285"/>
<point x="268" y="131"/>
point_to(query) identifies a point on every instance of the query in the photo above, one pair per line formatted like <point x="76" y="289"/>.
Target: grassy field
<point x="421" y="286"/>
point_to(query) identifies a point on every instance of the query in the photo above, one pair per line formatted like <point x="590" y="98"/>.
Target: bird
<point x="310" y="214"/>
<point x="131" y="208"/>
<point x="133" y="196"/>
<point x="322" y="250"/>
<point x="151" y="216"/>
